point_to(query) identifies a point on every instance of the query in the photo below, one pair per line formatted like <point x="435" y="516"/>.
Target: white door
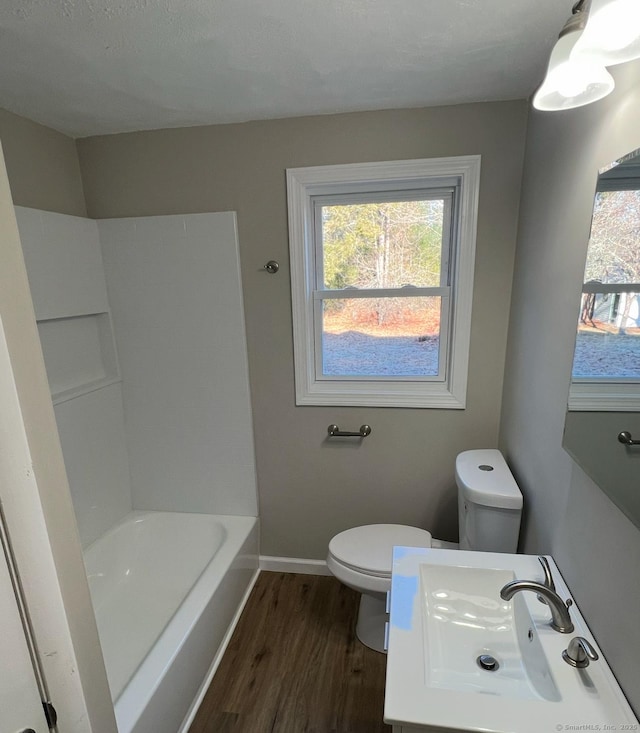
<point x="20" y="703"/>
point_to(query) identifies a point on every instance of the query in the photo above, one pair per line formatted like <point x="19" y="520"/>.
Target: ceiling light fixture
<point x="612" y="33"/>
<point x="573" y="78"/>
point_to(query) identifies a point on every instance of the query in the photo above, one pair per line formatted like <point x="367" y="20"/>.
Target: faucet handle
<point x="548" y="578"/>
<point x="579" y="652"/>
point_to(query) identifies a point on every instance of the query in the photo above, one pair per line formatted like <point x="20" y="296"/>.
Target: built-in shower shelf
<point x="70" y="394"/>
<point x="79" y="354"/>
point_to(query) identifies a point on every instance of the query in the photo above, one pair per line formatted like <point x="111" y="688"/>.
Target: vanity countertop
<point x="446" y="612"/>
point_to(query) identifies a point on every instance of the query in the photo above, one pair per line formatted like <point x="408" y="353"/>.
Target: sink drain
<point x="486" y="661"/>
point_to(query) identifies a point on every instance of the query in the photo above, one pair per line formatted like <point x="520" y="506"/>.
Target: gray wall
<point x="309" y="488"/>
<point x="591" y="440"/>
<point x="42" y="166"/>
<point x="596" y="547"/>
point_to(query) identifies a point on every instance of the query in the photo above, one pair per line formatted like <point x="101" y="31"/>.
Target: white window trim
<point x="604" y="397"/>
<point x="305" y="183"/>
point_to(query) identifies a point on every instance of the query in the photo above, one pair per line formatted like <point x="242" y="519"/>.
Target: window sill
<point x="590" y="397"/>
<point x="425" y="395"/>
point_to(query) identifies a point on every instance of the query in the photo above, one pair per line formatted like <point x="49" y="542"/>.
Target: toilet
<point x="489" y="512"/>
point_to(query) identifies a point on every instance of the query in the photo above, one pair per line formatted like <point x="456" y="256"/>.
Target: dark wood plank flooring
<point x="294" y="665"/>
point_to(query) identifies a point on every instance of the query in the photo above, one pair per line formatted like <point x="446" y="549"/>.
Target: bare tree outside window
<point x="608" y="341"/>
<point x="382" y="246"/>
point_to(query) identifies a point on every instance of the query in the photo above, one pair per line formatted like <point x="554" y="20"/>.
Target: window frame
<point x="306" y="186"/>
<point x="442" y="291"/>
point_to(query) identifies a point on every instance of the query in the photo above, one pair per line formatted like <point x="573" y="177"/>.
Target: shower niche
<point x="79" y="354"/>
<point x="64" y="264"/>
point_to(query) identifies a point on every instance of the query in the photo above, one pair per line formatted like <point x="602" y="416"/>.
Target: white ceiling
<point x="88" y="67"/>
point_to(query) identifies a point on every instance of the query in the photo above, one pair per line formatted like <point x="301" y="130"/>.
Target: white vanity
<point x="460" y="658"/>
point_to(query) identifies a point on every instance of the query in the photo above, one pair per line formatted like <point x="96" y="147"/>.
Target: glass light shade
<point x="612" y="33"/>
<point x="572" y="80"/>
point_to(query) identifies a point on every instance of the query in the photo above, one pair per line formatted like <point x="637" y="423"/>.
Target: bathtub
<point x="165" y="589"/>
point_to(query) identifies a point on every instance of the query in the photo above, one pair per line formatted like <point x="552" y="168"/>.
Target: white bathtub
<point x="165" y="588"/>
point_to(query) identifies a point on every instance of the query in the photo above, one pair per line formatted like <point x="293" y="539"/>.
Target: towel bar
<point x="335" y="432"/>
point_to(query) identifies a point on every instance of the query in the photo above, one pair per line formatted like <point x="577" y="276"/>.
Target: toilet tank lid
<point x="484" y="478"/>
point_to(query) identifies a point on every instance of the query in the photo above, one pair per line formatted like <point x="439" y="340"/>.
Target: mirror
<point x="604" y="397"/>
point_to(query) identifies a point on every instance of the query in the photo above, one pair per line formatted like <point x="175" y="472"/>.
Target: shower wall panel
<point x="176" y="301"/>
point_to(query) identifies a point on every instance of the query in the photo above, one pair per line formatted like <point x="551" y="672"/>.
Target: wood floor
<point x="294" y="666"/>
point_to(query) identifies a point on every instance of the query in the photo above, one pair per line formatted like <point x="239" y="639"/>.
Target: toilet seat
<point x="367" y="550"/>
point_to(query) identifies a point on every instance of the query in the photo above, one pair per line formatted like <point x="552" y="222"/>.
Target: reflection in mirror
<point x="604" y="397"/>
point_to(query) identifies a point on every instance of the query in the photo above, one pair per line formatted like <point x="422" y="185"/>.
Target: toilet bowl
<point x="489" y="511"/>
<point x="361" y="559"/>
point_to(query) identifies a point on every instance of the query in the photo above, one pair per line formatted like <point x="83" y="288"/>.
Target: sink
<point x="465" y="619"/>
<point x="462" y="659"/>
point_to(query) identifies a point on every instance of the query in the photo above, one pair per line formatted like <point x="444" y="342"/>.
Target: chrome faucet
<point x="560" y="618"/>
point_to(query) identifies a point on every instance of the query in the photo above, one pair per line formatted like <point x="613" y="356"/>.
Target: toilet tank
<point x="489" y="502"/>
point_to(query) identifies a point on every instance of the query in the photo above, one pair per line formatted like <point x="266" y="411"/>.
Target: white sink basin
<point x="464" y="619"/>
<point x="446" y="612"/>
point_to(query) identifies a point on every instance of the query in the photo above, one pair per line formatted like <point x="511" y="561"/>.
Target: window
<point x="606" y="364"/>
<point x="382" y="258"/>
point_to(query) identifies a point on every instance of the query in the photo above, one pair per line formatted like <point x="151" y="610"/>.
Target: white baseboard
<point x="293" y="565"/>
<point x="186" y="723"/>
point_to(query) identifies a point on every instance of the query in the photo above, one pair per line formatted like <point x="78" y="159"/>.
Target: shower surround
<point x="142" y="329"/>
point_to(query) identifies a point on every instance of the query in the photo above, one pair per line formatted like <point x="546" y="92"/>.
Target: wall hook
<point x="271" y="267"/>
